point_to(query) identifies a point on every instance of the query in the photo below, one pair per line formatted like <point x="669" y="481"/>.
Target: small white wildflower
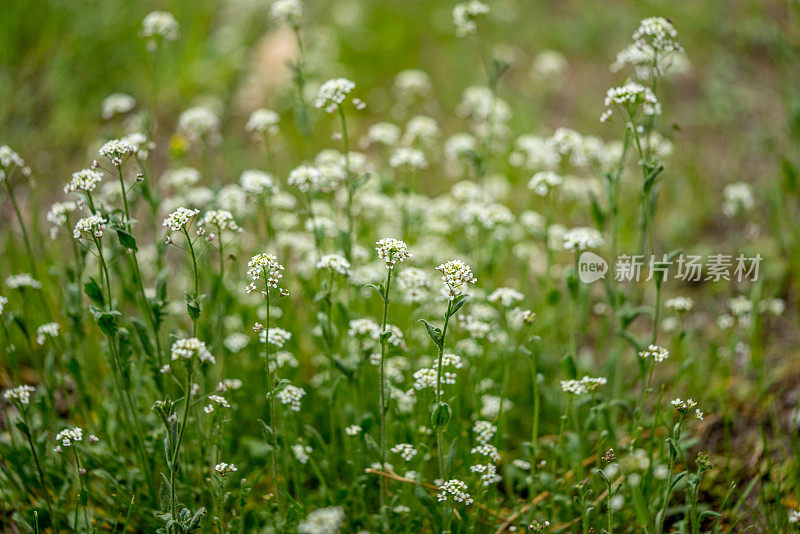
<point x="22" y="280"/>
<point x="117" y="104"/>
<point x="456" y="490"/>
<point x="506" y="296"/>
<point x="322" y="521"/>
<point x="276" y="336"/>
<point x="256" y="182"/>
<point x="582" y="238"/>
<point x="222" y="219"/>
<point x="631" y="97"/>
<point x="405" y="450"/>
<point x="287" y="12"/>
<point x="456" y="276"/>
<point x="187" y="348"/>
<point x="224" y="469"/>
<point x="332" y="93"/>
<point x="117" y="151"/>
<point x="160" y="24"/>
<point x="46" y="330"/>
<point x="264" y="265"/>
<point x="680" y="304"/>
<point x="683" y="406"/>
<point x="544" y="181"/>
<point x="93" y="225"/>
<point x="657" y="353"/>
<point x="335" y="263"/>
<point x="291" y="396"/>
<point x="301" y="452"/>
<point x="199" y="124"/>
<point x="68" y="436"/>
<point x="353" y="430"/>
<point x="391" y="251"/>
<point x="178" y="220"/>
<point x="20" y="393"/>
<point x="263" y="121"/>
<point x="465" y="16"/>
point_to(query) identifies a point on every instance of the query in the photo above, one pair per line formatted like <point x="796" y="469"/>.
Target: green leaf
<point x="456" y="304"/>
<point x="434" y="332"/>
<point x="127" y="240"/>
<point x="92" y="289"/>
<point x="441" y="415"/>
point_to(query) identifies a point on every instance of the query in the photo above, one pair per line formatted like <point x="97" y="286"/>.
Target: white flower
<point x="382" y="133"/>
<point x="21" y="280"/>
<point x="506" y="295"/>
<point x="276" y="336"/>
<point x="3" y="302"/>
<point x="544" y="181"/>
<point x="291" y="396"/>
<point x="93" y="225"/>
<point x="465" y="15"/>
<point x="187" y="348"/>
<point x="632" y="96"/>
<point x="737" y="198"/>
<point x="20" y="393"/>
<point x="456" y="275"/>
<point x="182" y="177"/>
<point x="582" y="386"/>
<point x="117" y="104"/>
<point x="224" y="469"/>
<point x="405" y="450"/>
<point x="407" y="157"/>
<point x="332" y="94"/>
<point x="263" y="121"/>
<point x="683" y="406"/>
<point x="222" y="219"/>
<point x="301" y="452"/>
<point x="680" y="304"/>
<point x="582" y="238"/>
<point x="657" y="353"/>
<point x="334" y="262"/>
<point x="421" y="128"/>
<point x="178" y="219"/>
<point x="68" y="436"/>
<point x="199" y="123"/>
<point x="287" y="12"/>
<point x="160" y="24"/>
<point x="84" y="180"/>
<point x="307" y="178"/>
<point x="9" y="158"/>
<point x="484" y="431"/>
<point x="117" y="151"/>
<point x="353" y="430"/>
<point x="391" y="251"/>
<point x="46" y="330"/>
<point x="267" y="266"/>
<point x="322" y="521"/>
<point x="456" y="490"/>
<point x="256" y="182"/>
<point x="657" y="33"/>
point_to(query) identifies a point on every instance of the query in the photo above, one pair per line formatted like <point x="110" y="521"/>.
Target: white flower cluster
<point x="414" y="283"/>
<point x="582" y="386"/>
<point x="263" y="121"/>
<point x="265" y="265"/>
<point x="322" y="521"/>
<point x="46" y="330"/>
<point x="178" y="219"/>
<point x="405" y="450"/>
<point x="449" y="360"/>
<point x="407" y="157"/>
<point x="507" y="296"/>
<point x="353" y="430"/>
<point x="657" y="353"/>
<point x="456" y="275"/>
<point x="487" y="472"/>
<point x="683" y="406"/>
<point x="188" y="347"/>
<point x="332" y="93"/>
<point x="21" y="280"/>
<point x="221" y="401"/>
<point x="256" y="182"/>
<point x="68" y="436"/>
<point x="334" y="262"/>
<point x="117" y="151"/>
<point x="465" y="15"/>
<point x="20" y="393"/>
<point x="57" y="215"/>
<point x="680" y="304"/>
<point x="222" y="219"/>
<point x="382" y="133"/>
<point x="487" y="450"/>
<point x="3" y="302"/>
<point x="307" y="178"/>
<point x="287" y="12"/>
<point x="224" y="469"/>
<point x="456" y="490"/>
<point x="301" y="452"/>
<point x="199" y="124"/>
<point x="84" y="180"/>
<point x="117" y="104"/>
<point x="737" y="198"/>
<point x="276" y="336"/>
<point x="484" y="431"/>
<point x="631" y="97"/>
<point x="582" y="238"/>
<point x="181" y="178"/>
<point x="160" y="24"/>
<point x="657" y="33"/>
<point x="93" y="225"/>
<point x="544" y="181"/>
<point x="364" y="327"/>
<point x="391" y="251"/>
<point x="8" y="158"/>
<point x="427" y="376"/>
<point x="291" y="396"/>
